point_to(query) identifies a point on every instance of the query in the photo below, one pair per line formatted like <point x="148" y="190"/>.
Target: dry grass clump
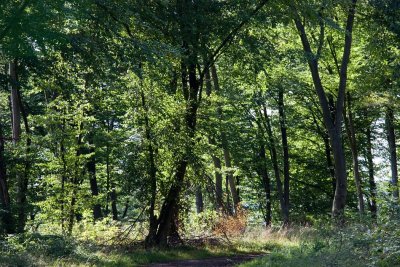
<point x="231" y="225"/>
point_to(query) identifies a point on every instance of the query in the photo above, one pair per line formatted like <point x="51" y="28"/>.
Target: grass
<point x="56" y="250"/>
<point x="355" y="245"/>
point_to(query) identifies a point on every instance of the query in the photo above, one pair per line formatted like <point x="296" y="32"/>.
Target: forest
<point x="199" y="132"/>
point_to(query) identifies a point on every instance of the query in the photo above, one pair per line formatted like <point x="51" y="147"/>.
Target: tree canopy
<point x="149" y="112"/>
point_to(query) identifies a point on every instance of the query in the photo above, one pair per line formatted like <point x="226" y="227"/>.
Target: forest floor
<point x="355" y="245"/>
<point x="210" y="262"/>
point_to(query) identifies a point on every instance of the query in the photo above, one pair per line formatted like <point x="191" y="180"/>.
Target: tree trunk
<point x="266" y="182"/>
<point x="339" y="202"/>
<point x="63" y="179"/>
<point x="332" y="108"/>
<point x="151" y="171"/>
<point x="329" y="163"/>
<point x="5" y="214"/>
<point x="108" y="179"/>
<point x="285" y="147"/>
<point x="225" y="147"/>
<point x="113" y="197"/>
<point x="328" y="151"/>
<point x="199" y="200"/>
<point x="170" y="209"/>
<point x="333" y="125"/>
<point x="219" y="203"/>
<point x="218" y="181"/>
<point x="229" y="208"/>
<point x="64" y="170"/>
<point x="75" y="184"/>
<point x="15" y="102"/>
<point x="372" y="185"/>
<point x="125" y="209"/>
<point x="229" y="173"/>
<point x="22" y="178"/>
<point x="91" y="167"/>
<point x="110" y="127"/>
<point x="274" y="158"/>
<point x="391" y="137"/>
<point x="349" y="124"/>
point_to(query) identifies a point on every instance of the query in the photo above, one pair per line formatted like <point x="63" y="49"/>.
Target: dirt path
<point x="212" y="262"/>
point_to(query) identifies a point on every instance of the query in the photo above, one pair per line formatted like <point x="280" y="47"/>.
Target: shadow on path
<point x="212" y="262"/>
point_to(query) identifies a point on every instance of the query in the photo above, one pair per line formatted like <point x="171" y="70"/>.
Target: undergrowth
<point x="107" y="243"/>
<point x="354" y="245"/>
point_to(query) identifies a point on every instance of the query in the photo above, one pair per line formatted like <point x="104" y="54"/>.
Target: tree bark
<point x="349" y="124"/>
<point x="391" y="137"/>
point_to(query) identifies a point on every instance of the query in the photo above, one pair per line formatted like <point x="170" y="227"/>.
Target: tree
<point x="333" y="125"/>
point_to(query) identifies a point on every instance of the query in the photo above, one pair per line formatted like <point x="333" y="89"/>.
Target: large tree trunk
<point x="339" y="202"/>
<point x="354" y="152"/>
<point x="285" y="148"/>
<point x="371" y="177"/>
<point x="333" y="125"/>
<point x="391" y="137"/>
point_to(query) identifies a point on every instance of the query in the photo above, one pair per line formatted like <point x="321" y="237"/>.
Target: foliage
<point x="157" y="121"/>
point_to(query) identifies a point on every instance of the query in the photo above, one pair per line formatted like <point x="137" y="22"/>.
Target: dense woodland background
<point x="169" y="114"/>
